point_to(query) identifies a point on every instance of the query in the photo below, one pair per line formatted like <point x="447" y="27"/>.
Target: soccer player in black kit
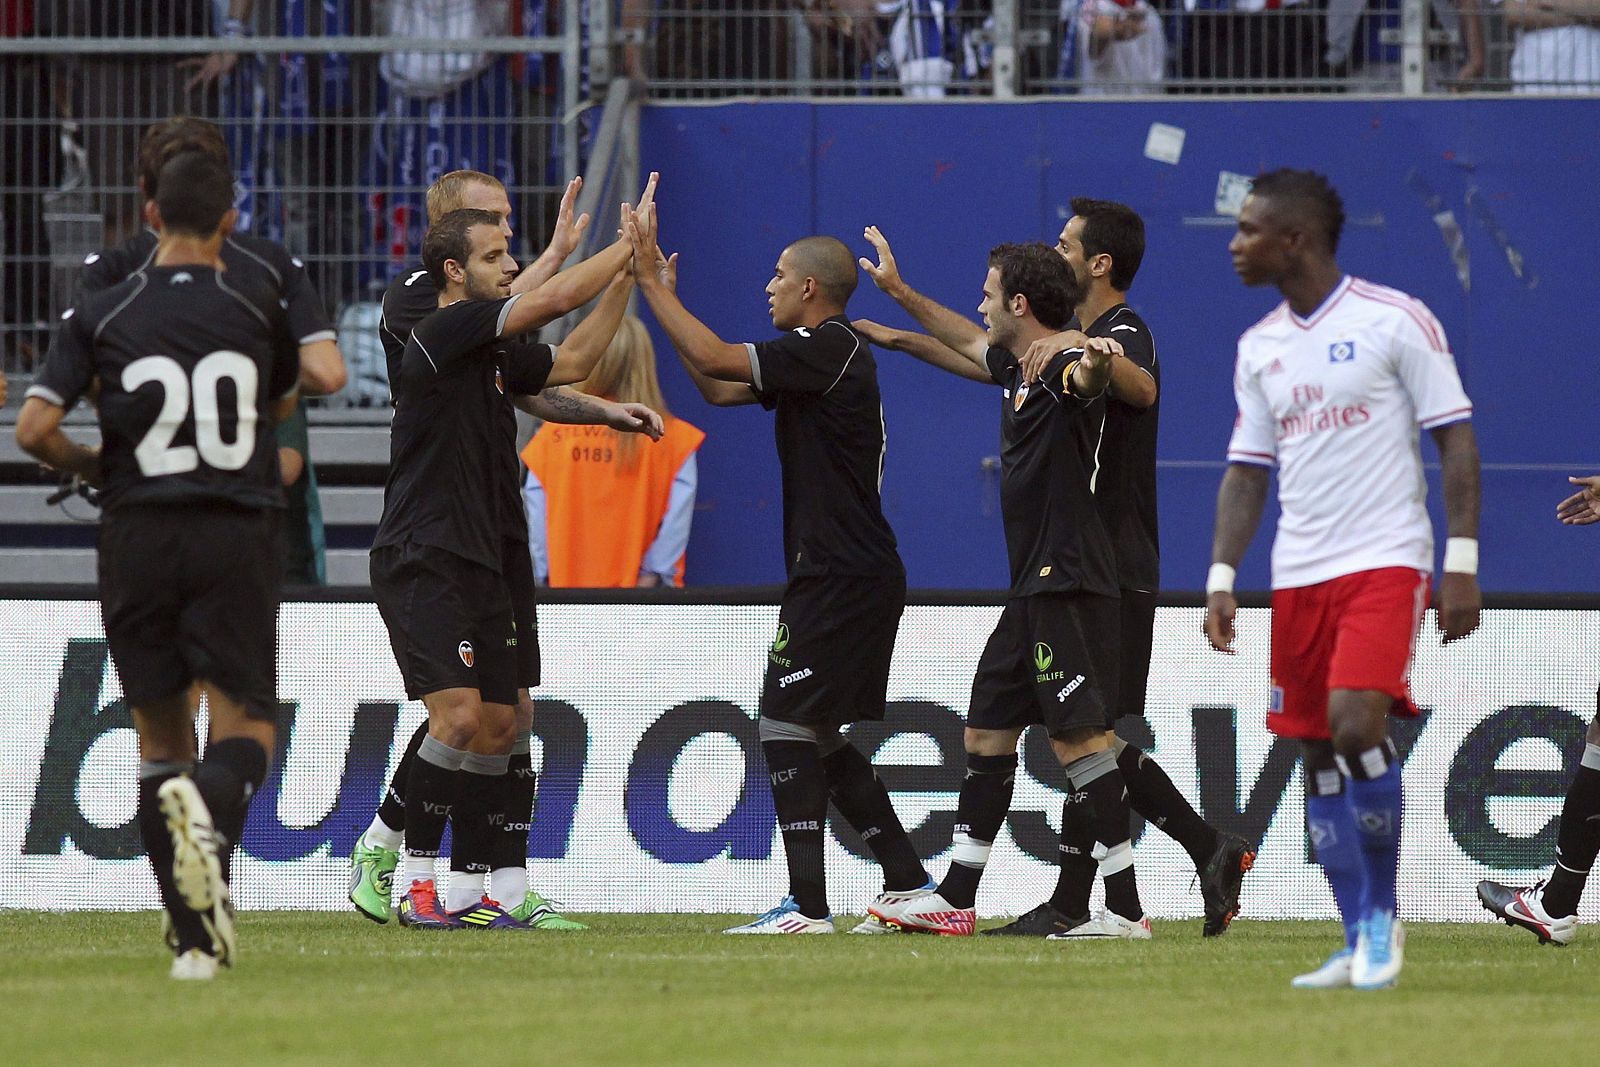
<point x="829" y="664"/>
<point x="1052" y="658"/>
<point x="437" y="556"/>
<point x="192" y="370"/>
<point x="501" y="855"/>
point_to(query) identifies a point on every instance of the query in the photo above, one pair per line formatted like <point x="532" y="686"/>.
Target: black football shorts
<point x="449" y="621"/>
<point x="190" y="591"/>
<point x="1138" y="614"/>
<point x="829" y="661"/>
<point x="516" y="566"/>
<point x="1048" y="662"/>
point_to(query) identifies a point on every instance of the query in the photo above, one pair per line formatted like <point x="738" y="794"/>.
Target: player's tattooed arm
<point x="951" y="328"/>
<point x="39" y="434"/>
<point x="1460" y="601"/>
<point x="1240" y="502"/>
<point x="923" y="347"/>
<point x="560" y="404"/>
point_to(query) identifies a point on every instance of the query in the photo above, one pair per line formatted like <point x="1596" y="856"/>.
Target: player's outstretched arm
<point x="1460" y="601"/>
<point x="563" y="242"/>
<point x="577" y="355"/>
<point x="558" y="403"/>
<point x="39" y="434"/>
<point x="955" y="331"/>
<point x="1240" y="501"/>
<point x="923" y="347"/>
<point x="577" y="285"/>
<point x="700" y="349"/>
<point x="1583" y="507"/>
<point x="1091" y="375"/>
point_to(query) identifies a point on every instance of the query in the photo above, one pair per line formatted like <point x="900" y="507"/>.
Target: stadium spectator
<point x="924" y="42"/>
<point x="114" y="95"/>
<point x="706" y="42"/>
<point x="1558" y="45"/>
<point x="1355" y="47"/>
<point x="604" y="508"/>
<point x="26" y="149"/>
<point x="1250" y="45"/>
<point x="1113" y="46"/>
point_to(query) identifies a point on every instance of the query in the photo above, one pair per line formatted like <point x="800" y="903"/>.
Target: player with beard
<point x="1052" y="658"/>
<point x="502" y="852"/>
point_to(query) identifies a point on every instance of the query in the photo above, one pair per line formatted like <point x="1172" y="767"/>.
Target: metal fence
<point x="339" y="113"/>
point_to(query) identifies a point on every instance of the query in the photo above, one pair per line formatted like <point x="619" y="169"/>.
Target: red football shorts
<point x="1356" y="631"/>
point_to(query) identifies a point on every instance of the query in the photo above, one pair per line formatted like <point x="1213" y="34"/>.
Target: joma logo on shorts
<point x="797" y="676"/>
<point x="1067" y="689"/>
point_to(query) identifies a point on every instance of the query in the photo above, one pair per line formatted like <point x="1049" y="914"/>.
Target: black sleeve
<point x="70" y="367"/>
<point x="526" y="367"/>
<point x="448" y="335"/>
<point x="285" y="362"/>
<point x="1001" y="363"/>
<point x="803" y="360"/>
<point x="1138" y="346"/>
<point x="307" y="320"/>
<point x="99" y="273"/>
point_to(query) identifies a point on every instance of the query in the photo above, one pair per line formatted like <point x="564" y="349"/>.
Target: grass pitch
<point x="668" y="989"/>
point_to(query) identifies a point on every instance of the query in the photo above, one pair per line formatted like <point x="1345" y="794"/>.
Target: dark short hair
<point x="449" y="239"/>
<point x="195" y="191"/>
<point x="1037" y="272"/>
<point x="172" y="137"/>
<point x="828" y="262"/>
<point x="1115" y="230"/>
<point x="1305" y="196"/>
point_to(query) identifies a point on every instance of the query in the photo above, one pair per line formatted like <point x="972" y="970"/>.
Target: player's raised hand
<point x="1221" y="607"/>
<point x="635" y="418"/>
<point x="648" y="197"/>
<point x="639" y="228"/>
<point x="564" y="241"/>
<point x="885" y="274"/>
<point x="1460" y="603"/>
<point x="667" y="270"/>
<point x="875" y="332"/>
<point x="1042" y="351"/>
<point x="1582" y="507"/>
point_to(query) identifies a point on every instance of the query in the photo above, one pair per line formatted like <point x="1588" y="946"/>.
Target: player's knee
<point x="991" y="742"/>
<point x="524" y="712"/>
<point x="1078" y="741"/>
<point x="497" y="729"/>
<point x="454" y="716"/>
<point x="1592" y="735"/>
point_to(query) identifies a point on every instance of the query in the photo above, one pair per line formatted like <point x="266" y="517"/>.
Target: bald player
<point x="829" y="662"/>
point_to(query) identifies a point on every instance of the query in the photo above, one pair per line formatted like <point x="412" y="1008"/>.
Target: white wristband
<point x="1461" y="555"/>
<point x="1220" y="579"/>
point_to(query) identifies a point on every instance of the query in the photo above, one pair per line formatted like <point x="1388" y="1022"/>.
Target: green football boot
<point x="372" y="879"/>
<point x="539" y="915"/>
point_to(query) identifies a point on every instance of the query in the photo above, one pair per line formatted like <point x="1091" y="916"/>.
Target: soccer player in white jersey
<point x="1332" y="385"/>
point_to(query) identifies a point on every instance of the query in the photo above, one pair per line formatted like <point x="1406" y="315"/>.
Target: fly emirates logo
<point x="1313" y="414"/>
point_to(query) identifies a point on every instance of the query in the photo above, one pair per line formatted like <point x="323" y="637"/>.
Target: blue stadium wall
<point x="947" y="181"/>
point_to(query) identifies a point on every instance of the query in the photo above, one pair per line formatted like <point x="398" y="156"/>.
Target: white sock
<point x="508" y="885"/>
<point x="466" y="889"/>
<point x="383" y="836"/>
<point x="417" y="869"/>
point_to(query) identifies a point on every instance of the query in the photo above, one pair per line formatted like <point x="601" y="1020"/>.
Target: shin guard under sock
<point x="858" y="793"/>
<point x="980" y="812"/>
<point x="800" y="797"/>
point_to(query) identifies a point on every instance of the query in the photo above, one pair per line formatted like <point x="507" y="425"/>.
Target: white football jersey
<point x="1334" y="401"/>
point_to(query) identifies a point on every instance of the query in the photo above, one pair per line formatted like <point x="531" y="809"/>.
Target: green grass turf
<point x="667" y="989"/>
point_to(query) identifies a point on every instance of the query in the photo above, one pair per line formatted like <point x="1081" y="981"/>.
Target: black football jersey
<point x="190" y="361"/>
<point x="410" y="298"/>
<point x="1050" y="456"/>
<point x="1126" y="488"/>
<point x="246" y="257"/>
<point x="453" y="465"/>
<point x="823" y="383"/>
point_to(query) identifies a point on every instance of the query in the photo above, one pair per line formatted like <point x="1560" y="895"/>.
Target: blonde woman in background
<point x="608" y="509"/>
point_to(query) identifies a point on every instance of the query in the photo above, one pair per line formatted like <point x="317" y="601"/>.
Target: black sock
<point x="230" y="774"/>
<point x="858" y="793"/>
<point x="1152" y="794"/>
<point x="393" y="809"/>
<point x="430" y="792"/>
<point x="1075" y="879"/>
<point x="517" y="792"/>
<point x="1098" y="776"/>
<point x="800" y="795"/>
<point x="1578" y="839"/>
<point x="985" y="800"/>
<point x="471" y="840"/>
<point x="158" y="847"/>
